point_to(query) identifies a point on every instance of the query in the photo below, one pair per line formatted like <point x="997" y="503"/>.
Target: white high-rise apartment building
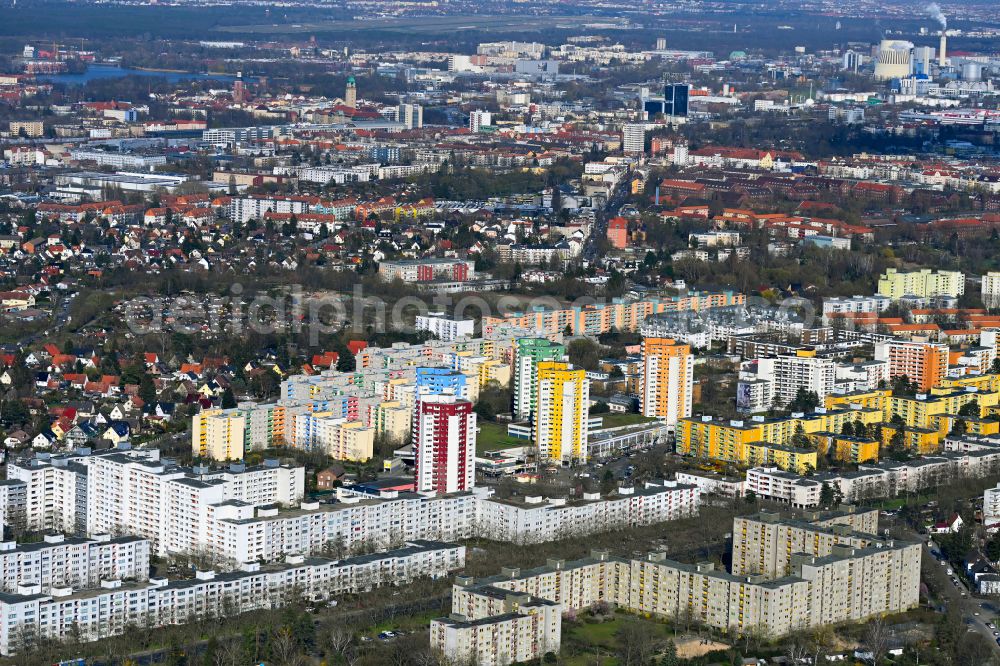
<point x="55" y="491"/>
<point x="803" y="370"/>
<point x="169" y="504"/>
<point x="52" y="613"/>
<point x="444" y="327"/>
<point x="991" y="506"/>
<point x="480" y="119"/>
<point x="990" y="289"/>
<point x="136" y="492"/>
<point x="781" y="378"/>
<point x="633" y="138"/>
<point x="58" y="561"/>
<point x="867" y="304"/>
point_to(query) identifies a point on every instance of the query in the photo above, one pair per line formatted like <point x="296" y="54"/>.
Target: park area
<point x="607" y="638"/>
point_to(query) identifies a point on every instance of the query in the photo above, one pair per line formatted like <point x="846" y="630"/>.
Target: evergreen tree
<point x="228" y="399"/>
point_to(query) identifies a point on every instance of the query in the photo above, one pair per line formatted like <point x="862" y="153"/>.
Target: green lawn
<point x="493" y="437"/>
<point x="598" y="633"/>
<point x="618" y="420"/>
<point x="598" y="643"/>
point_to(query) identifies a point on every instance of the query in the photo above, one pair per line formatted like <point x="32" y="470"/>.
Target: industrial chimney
<point x="943" y="51"/>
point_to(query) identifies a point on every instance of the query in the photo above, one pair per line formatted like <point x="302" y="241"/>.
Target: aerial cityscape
<point x="362" y="333"/>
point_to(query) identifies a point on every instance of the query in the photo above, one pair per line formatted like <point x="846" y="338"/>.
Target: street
<point x="976" y="613"/>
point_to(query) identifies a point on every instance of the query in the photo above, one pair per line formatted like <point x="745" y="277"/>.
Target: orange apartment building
<point x="667" y="379"/>
<point x="925" y="363"/>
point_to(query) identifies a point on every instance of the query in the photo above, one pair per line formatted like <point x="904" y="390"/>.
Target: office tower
<point x="480" y="119"/>
<point x="562" y="414"/>
<point x="445" y="450"/>
<point x="411" y="115"/>
<point x="528" y="354"/>
<point x="351" y="93"/>
<point x="633" y="138"/>
<point x="661" y="43"/>
<point x="675" y="96"/>
<point x="852" y="60"/>
<point x="653" y="107"/>
<point x="667" y="378"/>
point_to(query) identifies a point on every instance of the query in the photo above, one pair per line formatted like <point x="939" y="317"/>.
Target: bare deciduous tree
<point x="877" y="639"/>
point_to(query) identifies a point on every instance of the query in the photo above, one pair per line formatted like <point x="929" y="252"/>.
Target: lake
<point x="111" y="72"/>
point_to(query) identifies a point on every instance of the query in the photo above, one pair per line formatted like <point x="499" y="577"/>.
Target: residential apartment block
<point x="59" y="561"/>
<point x="528" y="353"/>
<point x="444" y="327"/>
<point x="923" y="283"/>
<point x="667" y="379"/>
<point x="847" y="583"/>
<point x="244" y="533"/>
<point x="510" y="627"/>
<point x="622" y="314"/>
<point x="36" y="612"/>
<point x="963" y="458"/>
<point x="924" y="363"/>
<point x="562" y="414"/>
<point x="445" y="447"/>
<point x="139" y="493"/>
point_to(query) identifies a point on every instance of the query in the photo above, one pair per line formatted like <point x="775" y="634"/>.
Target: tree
<point x="147" y="390"/>
<point x="876" y="639"/>
<point x="826" y="495"/>
<point x="14" y="412"/>
<point x="345" y="360"/>
<point x="493" y="400"/>
<point x="584" y="353"/>
<point x="337" y="640"/>
<point x="800" y="439"/>
<point x="804" y="401"/>
<point x="992" y="549"/>
<point x="228" y="399"/>
<point x="670" y="657"/>
<point x="638" y="643"/>
<point x="616" y="284"/>
<point x="970" y="409"/>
